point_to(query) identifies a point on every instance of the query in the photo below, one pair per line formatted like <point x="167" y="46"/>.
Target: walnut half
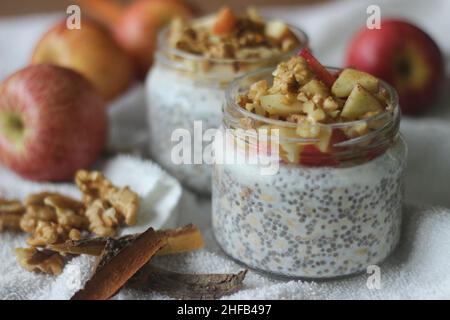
<point x="94" y="185"/>
<point x="103" y="219"/>
<point x="49" y="233"/>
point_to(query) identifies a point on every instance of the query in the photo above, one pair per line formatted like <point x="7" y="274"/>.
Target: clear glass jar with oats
<point x="195" y="61"/>
<point x="331" y="204"/>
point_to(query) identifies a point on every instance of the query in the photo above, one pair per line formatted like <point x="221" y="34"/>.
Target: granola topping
<point x="310" y="99"/>
<point x="226" y="35"/>
<point x="297" y="94"/>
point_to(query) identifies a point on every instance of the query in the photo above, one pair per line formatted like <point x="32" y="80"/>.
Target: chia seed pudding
<point x="333" y="207"/>
<point x="194" y="63"/>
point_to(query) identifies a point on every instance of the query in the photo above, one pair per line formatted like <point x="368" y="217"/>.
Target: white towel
<point x="417" y="269"/>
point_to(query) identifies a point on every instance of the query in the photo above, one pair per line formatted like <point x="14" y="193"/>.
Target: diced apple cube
<point x="274" y="104"/>
<point x="324" y="139"/>
<point x="277" y="29"/>
<point x="349" y="78"/>
<point x="308" y="130"/>
<point x="360" y="102"/>
<point x="288" y="151"/>
<point x="253" y="14"/>
<point x="314" y="87"/>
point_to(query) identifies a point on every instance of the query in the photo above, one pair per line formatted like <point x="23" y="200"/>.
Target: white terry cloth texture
<point x="418" y="269"/>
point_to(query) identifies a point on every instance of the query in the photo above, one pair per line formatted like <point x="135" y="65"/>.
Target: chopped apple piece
<point x="289" y="151"/>
<point x="324" y="139"/>
<point x="360" y="102"/>
<point x="314" y="87"/>
<point x="225" y="21"/>
<point x="253" y="14"/>
<point x="277" y="29"/>
<point x="307" y="130"/>
<point x="349" y="78"/>
<point x="274" y="105"/>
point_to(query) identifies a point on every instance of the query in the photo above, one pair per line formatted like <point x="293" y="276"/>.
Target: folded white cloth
<point x="418" y="268"/>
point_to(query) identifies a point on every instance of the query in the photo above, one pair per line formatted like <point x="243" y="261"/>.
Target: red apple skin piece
<point x="381" y="52"/>
<point x="225" y="21"/>
<point x="138" y="27"/>
<point x="311" y="156"/>
<point x="64" y="120"/>
<point x="91" y="51"/>
<point x="322" y="73"/>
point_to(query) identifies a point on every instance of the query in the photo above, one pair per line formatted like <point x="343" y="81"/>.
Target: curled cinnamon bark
<point x="186" y="286"/>
<point x="179" y="240"/>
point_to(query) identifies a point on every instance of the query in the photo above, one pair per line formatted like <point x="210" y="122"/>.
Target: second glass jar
<point x="183" y="88"/>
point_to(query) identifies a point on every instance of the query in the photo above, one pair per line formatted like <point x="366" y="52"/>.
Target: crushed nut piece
<point x="125" y="201"/>
<point x="91" y="184"/>
<point x="32" y="259"/>
<point x="68" y="211"/>
<point x="11" y="212"/>
<point x="47" y="233"/>
<point x="245" y="193"/>
<point x="95" y="186"/>
<point x="290" y="75"/>
<point x="103" y="219"/>
<point x="74" y="234"/>
<point x="34" y="214"/>
<point x="257" y="90"/>
<point x="38" y="198"/>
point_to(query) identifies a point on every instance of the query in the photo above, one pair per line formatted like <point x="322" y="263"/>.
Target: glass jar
<point x="318" y="215"/>
<point x="186" y="91"/>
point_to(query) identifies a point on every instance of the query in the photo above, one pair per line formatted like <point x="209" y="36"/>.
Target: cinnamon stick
<point x="119" y="267"/>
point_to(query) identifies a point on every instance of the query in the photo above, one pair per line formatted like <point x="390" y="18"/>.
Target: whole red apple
<point x="92" y="51"/>
<point x="137" y="28"/>
<point x="404" y="56"/>
<point x="52" y="123"/>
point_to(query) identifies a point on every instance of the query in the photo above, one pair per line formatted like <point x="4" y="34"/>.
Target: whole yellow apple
<point x="92" y="51"/>
<point x="137" y="28"/>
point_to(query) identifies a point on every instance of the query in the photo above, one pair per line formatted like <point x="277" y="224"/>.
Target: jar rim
<point x="163" y="46"/>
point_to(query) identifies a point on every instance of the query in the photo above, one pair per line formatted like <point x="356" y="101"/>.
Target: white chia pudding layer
<point x="175" y="101"/>
<point x="310" y="222"/>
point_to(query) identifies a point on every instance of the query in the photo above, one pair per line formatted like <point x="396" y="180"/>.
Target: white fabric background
<point x="418" y="269"/>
